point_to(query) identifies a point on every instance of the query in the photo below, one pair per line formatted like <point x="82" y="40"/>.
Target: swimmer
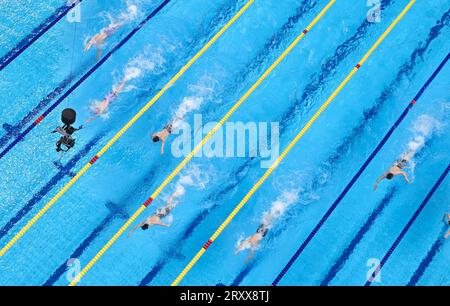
<point x="252" y="242"/>
<point x="156" y="218"/>
<point x="446" y="219"/>
<point x="396" y="169"/>
<point x="101" y="108"/>
<point x="99" y="39"/>
<point x="162" y="135"/>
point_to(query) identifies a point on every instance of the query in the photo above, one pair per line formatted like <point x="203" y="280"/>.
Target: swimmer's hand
<point x="240" y="248"/>
<point x="375" y="187"/>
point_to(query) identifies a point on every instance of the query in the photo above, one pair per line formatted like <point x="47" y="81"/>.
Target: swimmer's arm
<point x="250" y="255"/>
<point x="447" y="235"/>
<point x="405" y="176"/>
<point x="120" y="88"/>
<point x="378" y="181"/>
<point x="90" y="43"/>
<point x="241" y="247"/>
<point x="162" y="224"/>
<point x="93" y="41"/>
<point x="134" y="228"/>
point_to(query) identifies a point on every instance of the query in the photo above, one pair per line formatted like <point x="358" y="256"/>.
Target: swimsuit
<point x="262" y="229"/>
<point x="163" y="212"/>
<point x="110" y="97"/>
<point x="401" y="163"/>
<point x="168" y="128"/>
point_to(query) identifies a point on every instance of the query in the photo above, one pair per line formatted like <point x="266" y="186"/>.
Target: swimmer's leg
<point x="89" y="44"/>
<point x="250" y="255"/>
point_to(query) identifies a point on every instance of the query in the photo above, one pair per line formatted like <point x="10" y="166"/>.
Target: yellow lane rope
<point x="123" y="130"/>
<point x="286" y="151"/>
<point x="199" y="146"/>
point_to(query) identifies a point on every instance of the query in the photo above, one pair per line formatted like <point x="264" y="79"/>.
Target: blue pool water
<point x="314" y="173"/>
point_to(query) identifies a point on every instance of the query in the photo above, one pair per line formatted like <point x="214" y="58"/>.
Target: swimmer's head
<point x="389" y="176"/>
<point x="144" y="227"/>
<point x="155" y="138"/>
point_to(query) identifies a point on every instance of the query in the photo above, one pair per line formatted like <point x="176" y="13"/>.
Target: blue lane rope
<point x="358" y="174"/>
<point x="410" y="223"/>
<point x="37" y="33"/>
<point x="22" y="135"/>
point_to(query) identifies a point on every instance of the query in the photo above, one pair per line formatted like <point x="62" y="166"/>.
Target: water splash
<point x="279" y="207"/>
<point x="276" y="211"/>
<point x="202" y="92"/>
<point x="194" y="177"/>
<point x="423" y="128"/>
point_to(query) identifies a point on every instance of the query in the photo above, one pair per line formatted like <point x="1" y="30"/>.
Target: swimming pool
<point x="300" y="190"/>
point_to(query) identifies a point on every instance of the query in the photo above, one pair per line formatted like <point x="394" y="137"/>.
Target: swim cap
<point x="144" y="227"/>
<point x="155" y="138"/>
<point x="389" y="176"/>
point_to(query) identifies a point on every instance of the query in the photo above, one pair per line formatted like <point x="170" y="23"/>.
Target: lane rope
<point x="22" y="135"/>
<point x="37" y="33"/>
<point x="408" y="226"/>
<point x="359" y="173"/>
<point x="200" y="145"/>
<point x="285" y="152"/>
<point x="123" y="130"/>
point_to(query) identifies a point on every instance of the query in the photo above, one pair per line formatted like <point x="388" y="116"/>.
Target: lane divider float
<point x="199" y="146"/>
<point x="285" y="152"/>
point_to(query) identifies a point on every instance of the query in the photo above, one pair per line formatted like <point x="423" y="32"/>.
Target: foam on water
<point x="194" y="177"/>
<point x="279" y="206"/>
<point x="423" y="129"/>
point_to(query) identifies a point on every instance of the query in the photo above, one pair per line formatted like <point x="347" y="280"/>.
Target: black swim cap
<point x="144" y="227"/>
<point x="389" y="176"/>
<point x="155" y="138"/>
